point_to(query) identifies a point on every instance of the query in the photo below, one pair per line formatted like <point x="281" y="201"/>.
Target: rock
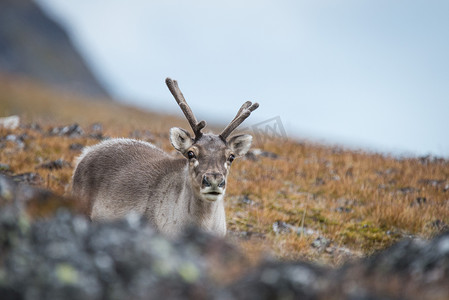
<point x="246" y="235"/>
<point x="96" y="127"/>
<point x="126" y="259"/>
<point x="406" y="190"/>
<point x="17" y="139"/>
<point x="430" y="159"/>
<point x="349" y="172"/>
<point x="246" y="200"/>
<point x="54" y="165"/>
<point x="419" y="201"/>
<point x="76" y="147"/>
<point x="432" y="182"/>
<point x="11" y="122"/>
<point x="343" y="209"/>
<point x="29" y="178"/>
<point x="72" y="131"/>
<point x="306" y="231"/>
<point x="34" y="126"/>
<point x="336" y="178"/>
<point x="321" y="242"/>
<point x="280" y="227"/>
<point x="319" y="181"/>
<point x="96" y="131"/>
<point x="254" y="154"/>
<point x="280" y="280"/>
<point x="411" y="269"/>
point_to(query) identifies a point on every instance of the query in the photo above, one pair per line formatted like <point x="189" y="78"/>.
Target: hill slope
<point x="33" y="45"/>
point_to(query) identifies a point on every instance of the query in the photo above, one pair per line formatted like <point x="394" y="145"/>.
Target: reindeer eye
<point x="191" y="155"/>
<point x="231" y="158"/>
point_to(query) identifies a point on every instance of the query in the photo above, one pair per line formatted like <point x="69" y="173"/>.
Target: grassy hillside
<point x="325" y="204"/>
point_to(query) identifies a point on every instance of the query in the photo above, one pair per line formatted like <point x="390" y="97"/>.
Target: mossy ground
<point x="359" y="201"/>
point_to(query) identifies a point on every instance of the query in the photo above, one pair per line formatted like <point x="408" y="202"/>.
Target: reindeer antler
<point x="242" y="114"/>
<point x="176" y="92"/>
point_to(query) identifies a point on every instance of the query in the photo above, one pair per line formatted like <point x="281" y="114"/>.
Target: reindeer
<point x="119" y="176"/>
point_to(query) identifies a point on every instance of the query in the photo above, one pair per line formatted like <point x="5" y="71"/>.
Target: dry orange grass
<point x="360" y="202"/>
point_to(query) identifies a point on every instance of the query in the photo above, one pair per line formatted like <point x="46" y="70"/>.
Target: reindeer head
<point x="209" y="156"/>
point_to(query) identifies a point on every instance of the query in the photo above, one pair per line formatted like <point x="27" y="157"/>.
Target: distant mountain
<point x="35" y="46"/>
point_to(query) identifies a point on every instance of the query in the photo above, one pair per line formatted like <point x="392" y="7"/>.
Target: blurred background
<point x="363" y="74"/>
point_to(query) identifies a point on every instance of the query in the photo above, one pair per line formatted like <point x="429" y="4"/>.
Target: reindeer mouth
<point x="214" y="193"/>
<point x="211" y="195"/>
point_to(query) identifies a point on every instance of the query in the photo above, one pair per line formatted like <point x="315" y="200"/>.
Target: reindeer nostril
<point x="222" y="184"/>
<point x="205" y="181"/>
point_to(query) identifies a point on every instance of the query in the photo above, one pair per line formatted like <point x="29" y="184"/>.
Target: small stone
<point x="406" y="190"/>
<point x="306" y="231"/>
<point x="76" y="147"/>
<point x="11" y="122"/>
<point x="343" y="209"/>
<point x="320" y="242"/>
<point x="254" y="154"/>
<point x="54" y="165"/>
<point x="432" y="182"/>
<point x="381" y="186"/>
<point x="349" y="172"/>
<point x="17" y="139"/>
<point x="96" y="127"/>
<point x="245" y="200"/>
<point x="35" y="126"/>
<point x="420" y="201"/>
<point x="280" y="227"/>
<point x="336" y="178"/>
<point x="329" y="250"/>
<point x="319" y="181"/>
<point x="30" y="178"/>
<point x="72" y="131"/>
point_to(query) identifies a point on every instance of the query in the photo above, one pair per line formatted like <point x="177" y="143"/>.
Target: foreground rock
<point x="69" y="258"/>
<point x="65" y="256"/>
<point x="411" y="269"/>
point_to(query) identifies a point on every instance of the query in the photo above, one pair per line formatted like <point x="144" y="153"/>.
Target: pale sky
<point x="368" y="74"/>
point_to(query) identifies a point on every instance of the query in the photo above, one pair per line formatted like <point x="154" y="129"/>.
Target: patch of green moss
<point x="316" y="216"/>
<point x="367" y="236"/>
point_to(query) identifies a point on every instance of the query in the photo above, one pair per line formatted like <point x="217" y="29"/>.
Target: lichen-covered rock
<point x="69" y="257"/>
<point x="412" y="269"/>
<point x="72" y="131"/>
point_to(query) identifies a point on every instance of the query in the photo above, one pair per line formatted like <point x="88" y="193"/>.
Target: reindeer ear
<point x="180" y="139"/>
<point x="240" y="144"/>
